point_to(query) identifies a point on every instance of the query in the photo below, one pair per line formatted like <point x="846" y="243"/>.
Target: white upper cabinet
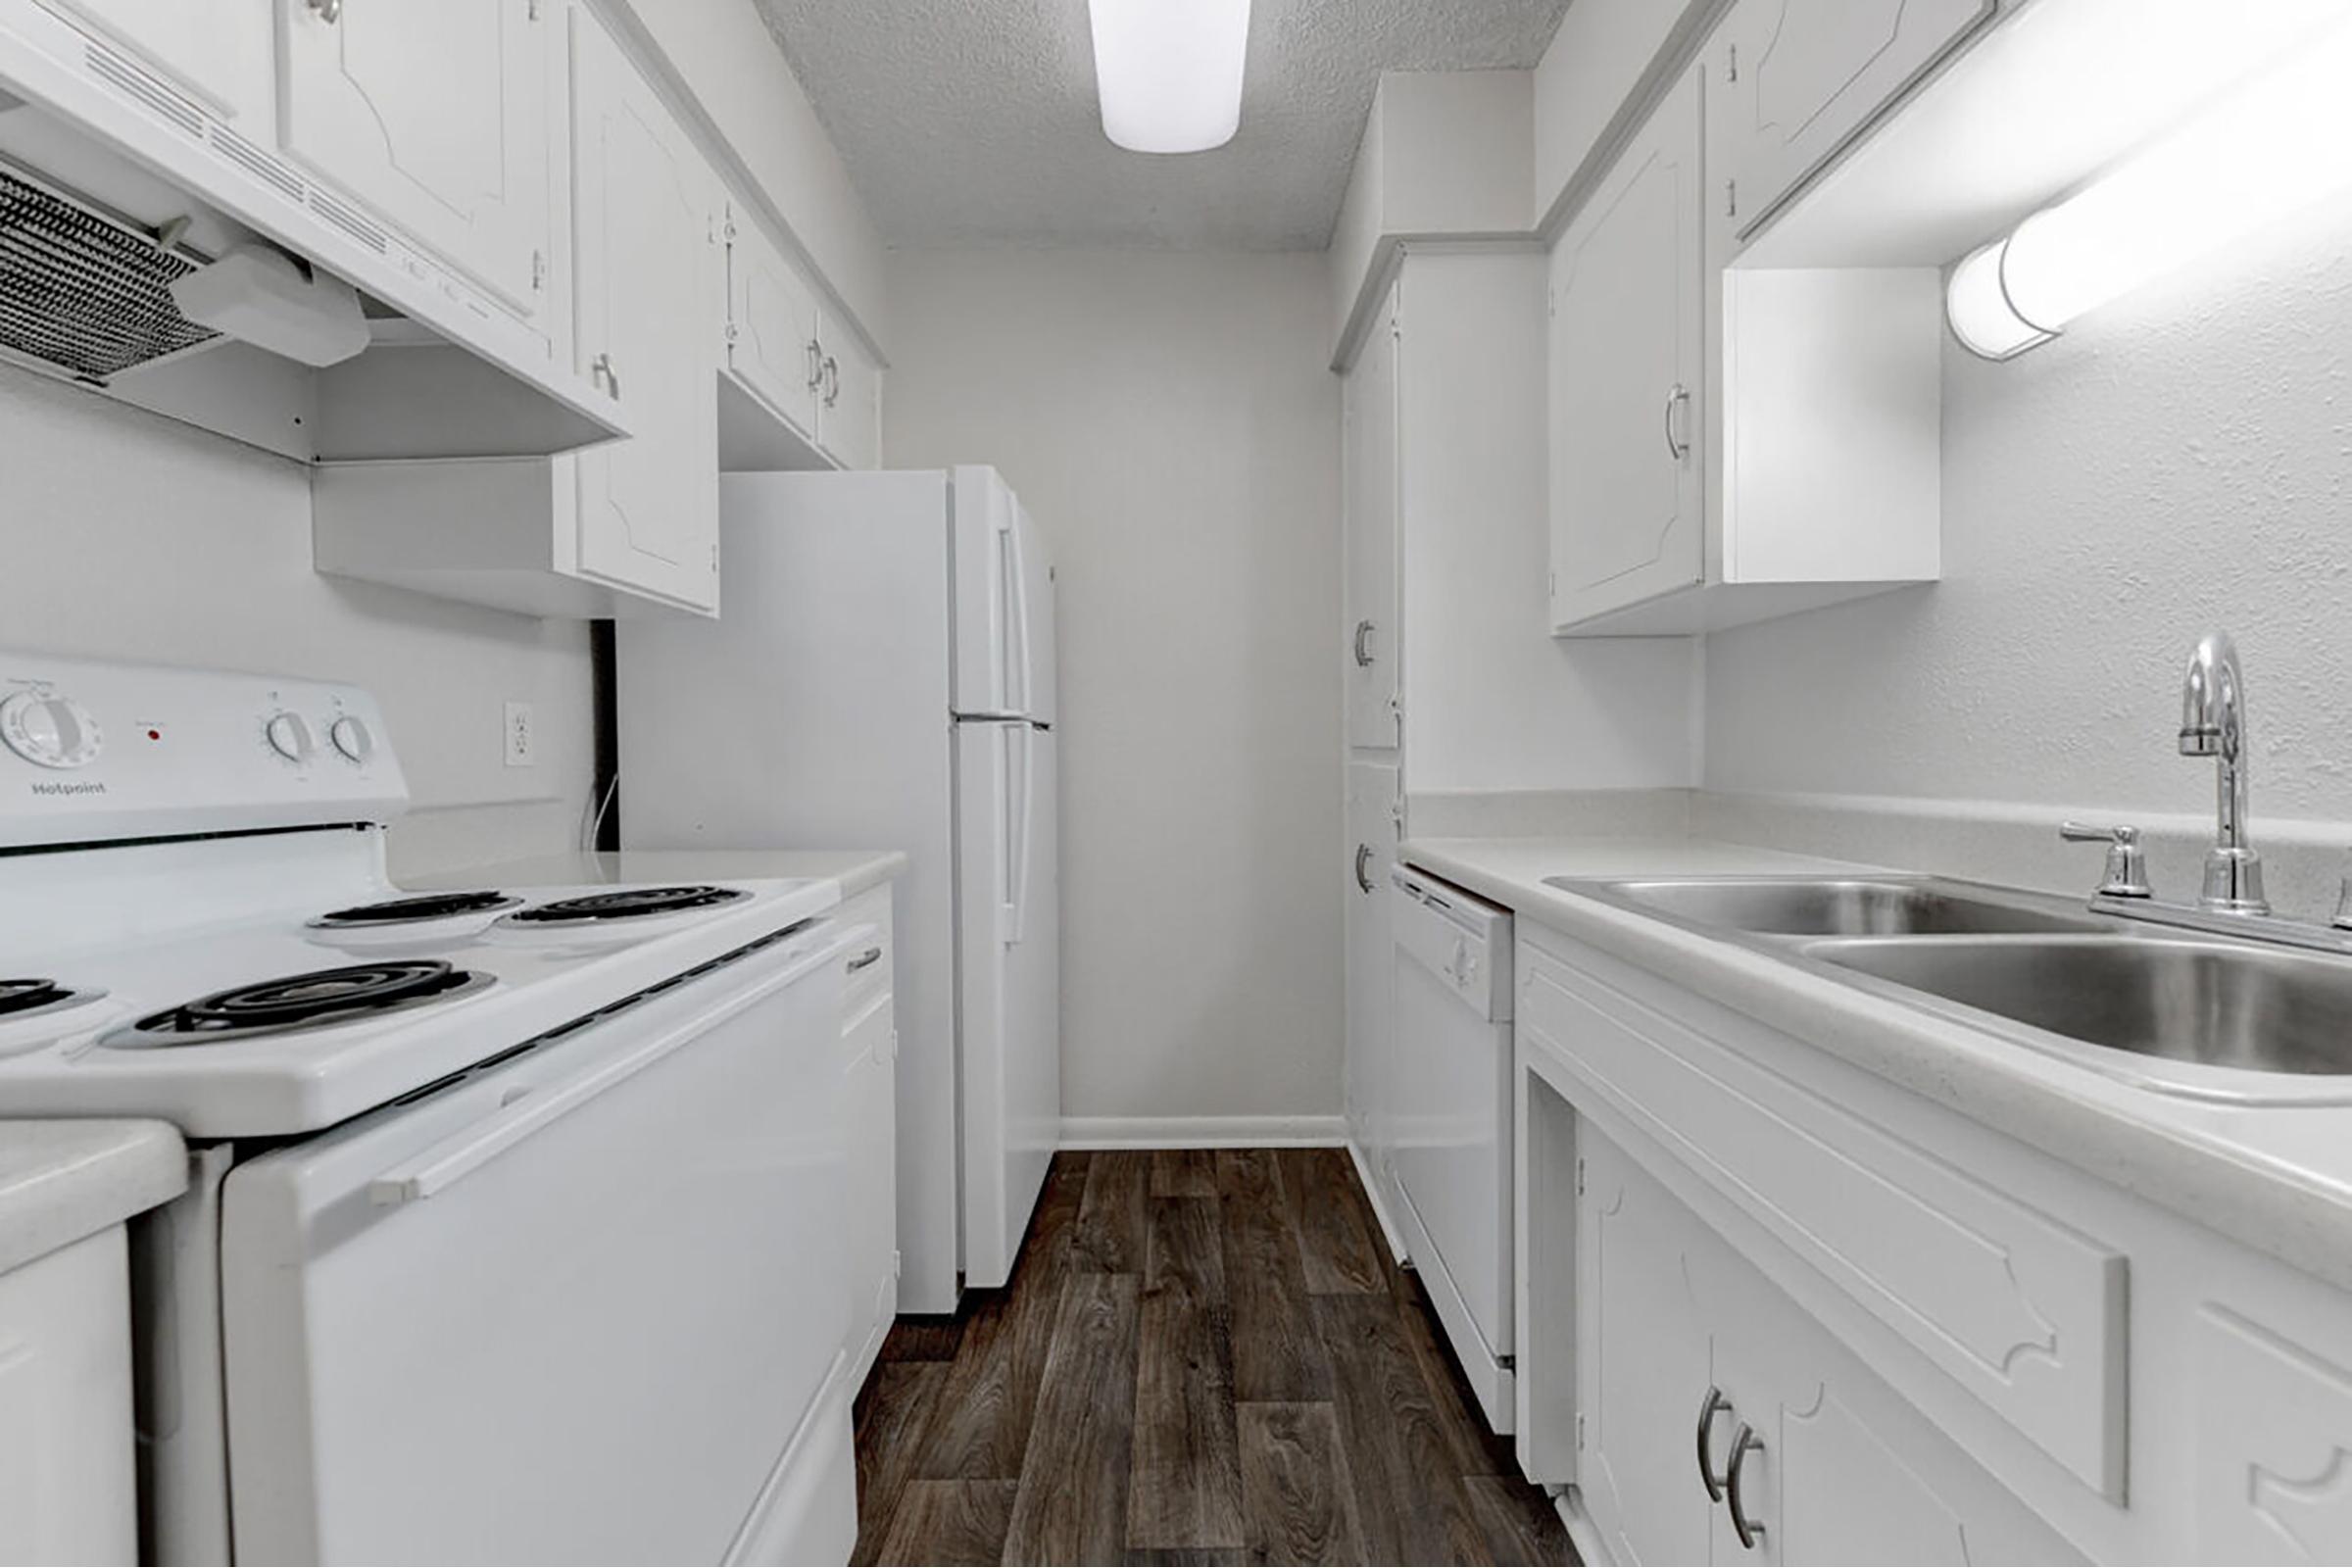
<point x="439" y="117"/>
<point x="801" y="363"/>
<point x="774" y="346"/>
<point x="1370" y="424"/>
<point x="648" y="273"/>
<point x="849" y="421"/>
<point x="1627" y="519"/>
<point x="1801" y="78"/>
<point x="220" y="53"/>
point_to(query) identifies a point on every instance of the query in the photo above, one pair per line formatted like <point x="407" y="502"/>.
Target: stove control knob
<point x="289" y="737"/>
<point x="352" y="737"/>
<point x="50" y="731"/>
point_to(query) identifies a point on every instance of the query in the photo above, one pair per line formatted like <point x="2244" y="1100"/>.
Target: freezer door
<point x="1008" y="1013"/>
<point x="575" y="1308"/>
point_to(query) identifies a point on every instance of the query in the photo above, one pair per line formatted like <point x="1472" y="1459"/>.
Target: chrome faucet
<point x="2213" y="723"/>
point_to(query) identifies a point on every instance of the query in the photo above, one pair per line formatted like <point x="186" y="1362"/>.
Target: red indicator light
<point x="155" y="734"/>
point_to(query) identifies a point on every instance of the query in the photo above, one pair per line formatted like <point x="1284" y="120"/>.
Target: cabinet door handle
<point x="601" y="368"/>
<point x="816" y="365"/>
<point x="865" y="960"/>
<point x="1745" y="1441"/>
<point x="1364" y="645"/>
<point x="1364" y="862"/>
<point x="1709" y="1407"/>
<point x="330" y="11"/>
<point x="1678" y="398"/>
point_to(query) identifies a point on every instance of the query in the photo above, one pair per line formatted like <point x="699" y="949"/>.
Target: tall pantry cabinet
<point x="1374" y="817"/>
<point x="1454" y="681"/>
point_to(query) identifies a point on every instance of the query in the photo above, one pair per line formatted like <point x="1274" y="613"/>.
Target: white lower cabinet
<point x="1691" y="1358"/>
<point x="1872" y="1329"/>
<point x="66" y="1482"/>
<point x="869" y="1056"/>
<point x="1373" y="805"/>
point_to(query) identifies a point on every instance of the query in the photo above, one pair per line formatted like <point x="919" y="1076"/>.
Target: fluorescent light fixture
<point x="2272" y="146"/>
<point x="1170" y="72"/>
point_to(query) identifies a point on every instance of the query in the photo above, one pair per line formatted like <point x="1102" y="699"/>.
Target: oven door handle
<point x="452" y="1160"/>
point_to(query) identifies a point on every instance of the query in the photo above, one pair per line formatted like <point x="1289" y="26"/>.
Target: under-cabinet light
<point x="1170" y="72"/>
<point x="2272" y="146"/>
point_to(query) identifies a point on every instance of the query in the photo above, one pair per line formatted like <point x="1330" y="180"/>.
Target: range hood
<point x="113" y="187"/>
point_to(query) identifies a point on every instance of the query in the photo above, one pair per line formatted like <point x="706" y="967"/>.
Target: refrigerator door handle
<point x="1023" y="853"/>
<point x="1018" y="587"/>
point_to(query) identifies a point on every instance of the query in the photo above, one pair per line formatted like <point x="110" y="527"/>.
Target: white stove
<point x="596" y="1088"/>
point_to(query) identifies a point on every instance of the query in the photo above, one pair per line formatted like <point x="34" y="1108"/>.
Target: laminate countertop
<point x="61" y="1180"/>
<point x="2276" y="1178"/>
<point x="855" y="871"/>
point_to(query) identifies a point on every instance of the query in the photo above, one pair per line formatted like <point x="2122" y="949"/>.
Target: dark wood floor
<point x="1202" y="1358"/>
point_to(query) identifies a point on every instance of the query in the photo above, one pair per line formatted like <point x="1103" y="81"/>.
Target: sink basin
<point x="1815" y="906"/>
<point x="2217" y="1004"/>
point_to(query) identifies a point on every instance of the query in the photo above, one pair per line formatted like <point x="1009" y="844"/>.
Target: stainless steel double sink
<point x="2179" y="1012"/>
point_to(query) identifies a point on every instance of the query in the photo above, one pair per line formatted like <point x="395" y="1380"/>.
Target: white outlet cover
<point x="522" y="736"/>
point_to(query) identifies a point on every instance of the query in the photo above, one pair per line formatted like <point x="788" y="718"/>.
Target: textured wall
<point x="2182" y="460"/>
<point x="1169" y="422"/>
<point x="126" y="536"/>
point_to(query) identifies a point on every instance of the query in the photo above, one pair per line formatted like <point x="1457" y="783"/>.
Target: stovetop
<point x="284" y="1022"/>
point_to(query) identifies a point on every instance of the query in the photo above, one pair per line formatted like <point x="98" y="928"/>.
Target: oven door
<point x="574" y="1308"/>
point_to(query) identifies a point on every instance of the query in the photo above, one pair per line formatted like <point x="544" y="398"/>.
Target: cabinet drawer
<point x="2023" y="1312"/>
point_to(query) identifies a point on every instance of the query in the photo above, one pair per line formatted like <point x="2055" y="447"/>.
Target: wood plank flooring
<point x="1202" y="1358"/>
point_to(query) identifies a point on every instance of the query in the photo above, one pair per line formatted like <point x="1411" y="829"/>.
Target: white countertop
<point x="61" y="1180"/>
<point x="2275" y="1178"/>
<point x="855" y="871"/>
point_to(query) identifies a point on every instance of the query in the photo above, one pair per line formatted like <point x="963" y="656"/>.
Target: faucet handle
<point x="2126" y="862"/>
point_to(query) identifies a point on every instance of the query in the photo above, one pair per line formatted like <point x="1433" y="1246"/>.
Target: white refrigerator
<point x="882" y="677"/>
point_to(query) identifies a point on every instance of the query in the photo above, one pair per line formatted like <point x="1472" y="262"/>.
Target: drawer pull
<point x="1708" y="1408"/>
<point x="867" y="960"/>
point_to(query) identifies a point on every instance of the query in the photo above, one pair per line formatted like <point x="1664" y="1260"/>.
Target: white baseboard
<point x="1203" y="1132"/>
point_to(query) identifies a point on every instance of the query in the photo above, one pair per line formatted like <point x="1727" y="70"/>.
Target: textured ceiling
<point x="974" y="121"/>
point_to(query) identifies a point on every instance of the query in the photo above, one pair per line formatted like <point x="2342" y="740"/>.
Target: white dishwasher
<point x="1450" y="1157"/>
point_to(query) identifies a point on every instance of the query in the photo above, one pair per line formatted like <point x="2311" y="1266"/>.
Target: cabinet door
<point x="220" y="53"/>
<point x="1371" y="959"/>
<point x="1796" y="80"/>
<point x="871" y="1049"/>
<point x="67" y="1471"/>
<point x="1642" y="1361"/>
<point x="772" y="327"/>
<point x="646" y="286"/>
<point x="1841" y="1469"/>
<point x="1626" y="360"/>
<point x="435" y="114"/>
<point x="849" y="423"/>
<point x="1370" y="477"/>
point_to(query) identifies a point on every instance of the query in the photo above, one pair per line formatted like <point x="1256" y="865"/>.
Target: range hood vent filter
<point x="83" y="293"/>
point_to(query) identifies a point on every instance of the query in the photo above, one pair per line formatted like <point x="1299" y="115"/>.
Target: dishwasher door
<point x="1452" y="1153"/>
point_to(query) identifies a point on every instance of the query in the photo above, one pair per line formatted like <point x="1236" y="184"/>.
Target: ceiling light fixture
<point x="2277" y="145"/>
<point x="1170" y="72"/>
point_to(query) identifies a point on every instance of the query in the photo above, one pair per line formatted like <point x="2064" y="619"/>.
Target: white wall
<point x="2181" y="460"/>
<point x="128" y="536"/>
<point x="1169" y="420"/>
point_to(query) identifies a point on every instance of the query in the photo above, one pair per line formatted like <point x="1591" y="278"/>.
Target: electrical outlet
<point x="523" y="736"/>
